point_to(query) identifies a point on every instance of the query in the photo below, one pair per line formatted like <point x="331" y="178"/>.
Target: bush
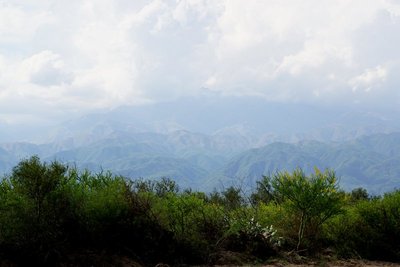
<point x="370" y="229"/>
<point x="249" y="236"/>
<point x="311" y="199"/>
<point x="50" y="211"/>
<point x="37" y="209"/>
<point x="195" y="225"/>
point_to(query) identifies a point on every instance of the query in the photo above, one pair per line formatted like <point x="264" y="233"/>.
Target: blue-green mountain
<point x="207" y="161"/>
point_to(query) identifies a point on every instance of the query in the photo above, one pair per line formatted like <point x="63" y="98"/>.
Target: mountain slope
<point x="206" y="161"/>
<point x="371" y="162"/>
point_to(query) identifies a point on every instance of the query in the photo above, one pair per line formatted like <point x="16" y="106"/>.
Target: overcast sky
<point x="64" y="57"/>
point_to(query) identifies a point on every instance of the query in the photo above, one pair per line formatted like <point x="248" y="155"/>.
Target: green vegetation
<point x="312" y="199"/>
<point x="204" y="162"/>
<point x="51" y="214"/>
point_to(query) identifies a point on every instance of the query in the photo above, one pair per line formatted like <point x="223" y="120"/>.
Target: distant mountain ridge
<point x="205" y="141"/>
<point x="204" y="161"/>
<point x="372" y="162"/>
<point x="259" y="121"/>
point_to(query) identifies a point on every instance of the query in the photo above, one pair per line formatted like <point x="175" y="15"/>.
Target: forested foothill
<point x="54" y="214"/>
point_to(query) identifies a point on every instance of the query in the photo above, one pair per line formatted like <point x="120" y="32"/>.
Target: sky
<point x="66" y="57"/>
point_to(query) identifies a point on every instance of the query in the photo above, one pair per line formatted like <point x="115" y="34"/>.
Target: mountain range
<point x="218" y="142"/>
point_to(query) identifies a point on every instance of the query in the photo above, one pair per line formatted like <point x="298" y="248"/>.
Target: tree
<point x="359" y="194"/>
<point x="165" y="186"/>
<point x="263" y="192"/>
<point x="37" y="181"/>
<point x="314" y="198"/>
<point x="45" y="209"/>
<point x="232" y="198"/>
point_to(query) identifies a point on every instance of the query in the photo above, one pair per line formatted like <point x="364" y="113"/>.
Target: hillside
<point x="207" y="161"/>
<point x="370" y="161"/>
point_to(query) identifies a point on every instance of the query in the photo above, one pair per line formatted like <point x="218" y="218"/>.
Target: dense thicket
<point x="55" y="215"/>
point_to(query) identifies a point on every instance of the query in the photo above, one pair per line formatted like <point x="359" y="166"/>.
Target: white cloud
<point x="20" y="25"/>
<point x="261" y="41"/>
<point x="314" y="55"/>
<point x="81" y="55"/>
<point x="392" y="6"/>
<point x="44" y="69"/>
<point x="369" y="79"/>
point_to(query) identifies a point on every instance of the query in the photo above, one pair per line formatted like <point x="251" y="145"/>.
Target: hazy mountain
<point x="7" y="160"/>
<point x="207" y="139"/>
<point x="257" y="122"/>
<point x="370" y="161"/>
<point x="181" y="155"/>
<point x="207" y="161"/>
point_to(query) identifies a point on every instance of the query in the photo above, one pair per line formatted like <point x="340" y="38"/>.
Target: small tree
<point x="165" y="186"/>
<point x="263" y="192"/>
<point x="359" y="194"/>
<point x="314" y="198"/>
<point x="37" y="181"/>
<point x="44" y="207"/>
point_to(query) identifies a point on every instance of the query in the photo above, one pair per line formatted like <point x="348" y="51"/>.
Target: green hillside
<point x="205" y="162"/>
<point x="369" y="162"/>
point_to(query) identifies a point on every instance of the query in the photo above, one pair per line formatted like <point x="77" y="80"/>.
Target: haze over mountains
<point x="206" y="92"/>
<point x="212" y="141"/>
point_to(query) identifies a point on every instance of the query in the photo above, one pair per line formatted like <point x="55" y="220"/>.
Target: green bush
<point x="370" y="229"/>
<point x="195" y="225"/>
<point x="246" y="234"/>
<point x="37" y="209"/>
<point x="311" y="200"/>
<point x="49" y="211"/>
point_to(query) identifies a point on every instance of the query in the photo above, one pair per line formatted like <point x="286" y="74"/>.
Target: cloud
<point x="76" y="56"/>
<point x="19" y="24"/>
<point x="45" y="69"/>
<point x="262" y="41"/>
<point x="369" y="79"/>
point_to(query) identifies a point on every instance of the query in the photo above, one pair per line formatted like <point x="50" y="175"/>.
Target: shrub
<point x="311" y="199"/>
<point x="249" y="236"/>
<point x="370" y="229"/>
<point x="37" y="209"/>
<point x="195" y="224"/>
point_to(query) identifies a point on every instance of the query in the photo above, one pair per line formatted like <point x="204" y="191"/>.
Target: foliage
<point x="230" y="198"/>
<point x="37" y="208"/>
<point x="247" y="234"/>
<point x="359" y="194"/>
<point x="314" y="198"/>
<point x="370" y="229"/>
<point x="50" y="211"/>
<point x="264" y="192"/>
